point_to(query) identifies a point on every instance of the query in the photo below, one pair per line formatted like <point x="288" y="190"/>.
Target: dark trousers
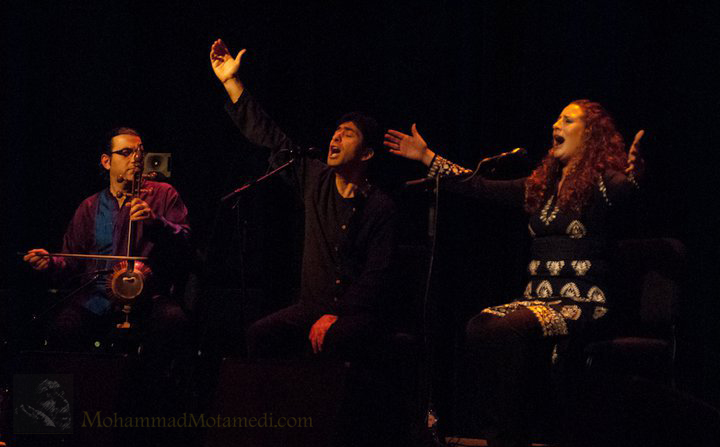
<point x="284" y="334"/>
<point x="155" y="383"/>
<point x="510" y="360"/>
<point x="369" y="413"/>
<point x="159" y="323"/>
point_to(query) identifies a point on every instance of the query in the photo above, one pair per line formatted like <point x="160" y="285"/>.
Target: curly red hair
<point x="603" y="148"/>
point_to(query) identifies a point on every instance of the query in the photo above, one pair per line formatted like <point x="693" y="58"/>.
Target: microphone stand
<point x="432" y="184"/>
<point x="235" y="194"/>
<point x="251" y="183"/>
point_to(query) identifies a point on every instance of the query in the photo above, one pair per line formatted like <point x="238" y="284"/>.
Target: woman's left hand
<point x="636" y="164"/>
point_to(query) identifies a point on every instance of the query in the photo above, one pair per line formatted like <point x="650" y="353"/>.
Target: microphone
<point x="518" y="153"/>
<point x="299" y="152"/>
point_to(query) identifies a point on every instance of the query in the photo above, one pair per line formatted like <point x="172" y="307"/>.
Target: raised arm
<point x="252" y="120"/>
<point x="413" y="147"/>
<point x="636" y="163"/>
<point x="226" y="68"/>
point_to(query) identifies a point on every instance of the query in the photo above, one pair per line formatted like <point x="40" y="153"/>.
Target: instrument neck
<point x="137" y="181"/>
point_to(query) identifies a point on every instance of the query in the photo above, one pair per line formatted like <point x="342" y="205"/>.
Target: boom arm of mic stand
<point x="476" y="170"/>
<point x="257" y="180"/>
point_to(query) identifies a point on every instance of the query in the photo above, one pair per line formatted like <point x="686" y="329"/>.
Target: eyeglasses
<point x="126" y="152"/>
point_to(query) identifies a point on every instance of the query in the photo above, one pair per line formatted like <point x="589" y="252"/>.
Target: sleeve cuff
<point x="442" y="166"/>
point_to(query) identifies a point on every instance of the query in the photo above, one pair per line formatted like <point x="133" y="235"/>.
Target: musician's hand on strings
<point x="36" y="259"/>
<point x="412" y="147"/>
<point x="140" y="210"/>
<point x="318" y="331"/>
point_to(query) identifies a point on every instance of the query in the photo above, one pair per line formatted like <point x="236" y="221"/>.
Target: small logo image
<point x="42" y="403"/>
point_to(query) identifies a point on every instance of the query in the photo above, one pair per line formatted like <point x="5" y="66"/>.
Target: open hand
<point x="412" y="147"/>
<point x="223" y="64"/>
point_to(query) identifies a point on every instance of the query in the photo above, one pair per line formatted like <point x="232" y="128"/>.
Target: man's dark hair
<point x="367" y="125"/>
<point x="107" y="142"/>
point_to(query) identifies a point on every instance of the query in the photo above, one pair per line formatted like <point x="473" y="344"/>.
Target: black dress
<point x="511" y="346"/>
<point x="568" y="269"/>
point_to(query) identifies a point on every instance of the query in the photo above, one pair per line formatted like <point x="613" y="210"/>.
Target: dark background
<point x="478" y="77"/>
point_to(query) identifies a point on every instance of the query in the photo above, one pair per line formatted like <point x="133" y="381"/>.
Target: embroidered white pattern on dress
<point x="570" y="290"/>
<point x="576" y="230"/>
<point x="528" y="290"/>
<point x="603" y="189"/>
<point x="554" y="267"/>
<point x="532" y="267"/>
<point x="544" y="212"/>
<point x="571" y="312"/>
<point x="596" y="294"/>
<point x="544" y="289"/>
<point x="581" y="267"/>
<point x="552" y="322"/>
<point x="599" y="312"/>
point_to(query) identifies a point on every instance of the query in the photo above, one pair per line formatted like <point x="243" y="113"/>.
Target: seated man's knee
<point x="259" y="330"/>
<point x="262" y="338"/>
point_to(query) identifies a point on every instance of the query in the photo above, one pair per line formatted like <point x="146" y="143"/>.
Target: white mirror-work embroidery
<point x="571" y="312"/>
<point x="554" y="267"/>
<point x="552" y="322"/>
<point x="444" y="166"/>
<point x="570" y="290"/>
<point x="581" y="267"/>
<point x="603" y="190"/>
<point x="544" y="216"/>
<point x="528" y="290"/>
<point x="544" y="289"/>
<point x="595" y="294"/>
<point x="599" y="312"/>
<point x="532" y="267"/>
<point x="576" y="230"/>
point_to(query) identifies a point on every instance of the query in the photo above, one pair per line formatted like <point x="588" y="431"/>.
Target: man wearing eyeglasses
<point x="100" y="226"/>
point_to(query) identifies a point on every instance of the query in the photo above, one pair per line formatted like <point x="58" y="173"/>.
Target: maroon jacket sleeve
<point x="79" y="238"/>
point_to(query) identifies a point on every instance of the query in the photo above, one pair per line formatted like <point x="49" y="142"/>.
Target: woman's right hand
<point x="412" y="147"/>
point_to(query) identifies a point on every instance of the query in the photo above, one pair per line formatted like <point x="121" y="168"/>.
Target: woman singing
<point x="577" y="200"/>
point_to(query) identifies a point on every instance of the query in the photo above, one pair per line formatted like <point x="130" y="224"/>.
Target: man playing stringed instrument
<point x="100" y="226"/>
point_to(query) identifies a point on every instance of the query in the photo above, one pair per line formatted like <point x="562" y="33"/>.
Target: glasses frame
<point x="138" y="150"/>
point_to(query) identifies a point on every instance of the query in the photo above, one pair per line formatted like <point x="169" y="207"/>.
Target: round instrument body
<point x="126" y="285"/>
